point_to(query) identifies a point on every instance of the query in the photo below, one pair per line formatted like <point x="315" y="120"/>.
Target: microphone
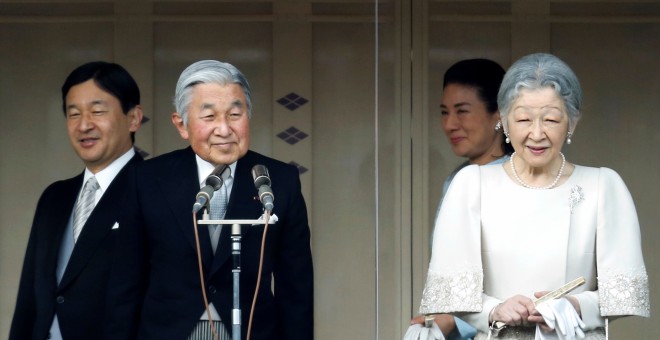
<point x="212" y="183"/>
<point x="262" y="183"/>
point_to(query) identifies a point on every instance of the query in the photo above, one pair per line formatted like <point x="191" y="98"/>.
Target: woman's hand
<point x="514" y="311"/>
<point x="444" y="321"/>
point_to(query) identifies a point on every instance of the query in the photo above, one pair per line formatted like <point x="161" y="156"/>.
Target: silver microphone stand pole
<point x="236" y="265"/>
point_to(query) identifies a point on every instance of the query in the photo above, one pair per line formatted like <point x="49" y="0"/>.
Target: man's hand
<point x="444" y="321"/>
<point x="514" y="311"/>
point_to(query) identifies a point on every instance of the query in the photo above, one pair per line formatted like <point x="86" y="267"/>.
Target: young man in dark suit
<point x="63" y="286"/>
<point x="157" y="286"/>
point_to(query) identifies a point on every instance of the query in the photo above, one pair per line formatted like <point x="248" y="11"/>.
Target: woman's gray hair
<point x="537" y="71"/>
<point x="208" y="72"/>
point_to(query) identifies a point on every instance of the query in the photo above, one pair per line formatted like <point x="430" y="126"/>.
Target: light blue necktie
<point x="84" y="206"/>
<point x="218" y="210"/>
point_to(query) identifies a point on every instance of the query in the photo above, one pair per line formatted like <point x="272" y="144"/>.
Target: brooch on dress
<point x="576" y="196"/>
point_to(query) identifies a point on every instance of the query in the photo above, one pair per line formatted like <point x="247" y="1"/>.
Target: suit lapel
<point x="180" y="186"/>
<point x="98" y="225"/>
<point x="59" y="215"/>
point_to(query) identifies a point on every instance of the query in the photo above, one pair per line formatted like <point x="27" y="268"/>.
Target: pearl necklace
<point x="515" y="174"/>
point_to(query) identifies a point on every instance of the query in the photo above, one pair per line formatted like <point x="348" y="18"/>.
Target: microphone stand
<point x="236" y="273"/>
<point x="236" y="266"/>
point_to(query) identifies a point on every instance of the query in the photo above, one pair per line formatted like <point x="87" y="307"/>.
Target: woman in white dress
<point x="471" y="123"/>
<point x="489" y="262"/>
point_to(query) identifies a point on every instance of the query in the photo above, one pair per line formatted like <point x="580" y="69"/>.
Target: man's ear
<point x="180" y="126"/>
<point x="135" y="116"/>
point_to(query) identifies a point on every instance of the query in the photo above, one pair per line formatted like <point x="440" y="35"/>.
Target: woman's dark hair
<point x="485" y="76"/>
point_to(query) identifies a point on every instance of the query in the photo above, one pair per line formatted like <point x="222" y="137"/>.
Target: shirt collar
<point x="108" y="174"/>
<point x="204" y="169"/>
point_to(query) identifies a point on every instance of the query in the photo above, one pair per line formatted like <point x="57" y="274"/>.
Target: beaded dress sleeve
<point x="622" y="278"/>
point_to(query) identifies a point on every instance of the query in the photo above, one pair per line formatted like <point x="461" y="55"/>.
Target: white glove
<point x="419" y="332"/>
<point x="560" y="315"/>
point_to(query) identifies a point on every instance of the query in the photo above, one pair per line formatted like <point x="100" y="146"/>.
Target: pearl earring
<point x="507" y="140"/>
<point x="498" y="126"/>
<point x="568" y="137"/>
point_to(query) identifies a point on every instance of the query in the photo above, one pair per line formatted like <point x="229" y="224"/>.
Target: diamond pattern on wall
<point x="292" y="101"/>
<point x="292" y="135"/>
<point x="301" y="169"/>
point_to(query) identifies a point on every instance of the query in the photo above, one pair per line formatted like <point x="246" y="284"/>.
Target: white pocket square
<point x="116" y="225"/>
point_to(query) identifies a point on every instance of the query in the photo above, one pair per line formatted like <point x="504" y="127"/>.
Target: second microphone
<point x="262" y="183"/>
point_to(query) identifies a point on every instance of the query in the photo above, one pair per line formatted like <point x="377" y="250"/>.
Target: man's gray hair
<point x="208" y="72"/>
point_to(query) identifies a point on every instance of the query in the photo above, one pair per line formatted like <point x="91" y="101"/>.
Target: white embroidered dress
<point x="495" y="239"/>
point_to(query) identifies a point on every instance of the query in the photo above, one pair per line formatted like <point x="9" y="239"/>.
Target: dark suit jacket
<point x="80" y="297"/>
<point x="157" y="287"/>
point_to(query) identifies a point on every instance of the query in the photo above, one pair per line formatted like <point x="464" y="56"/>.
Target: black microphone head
<point x="260" y="176"/>
<point x="214" y="181"/>
<point x="215" y="178"/>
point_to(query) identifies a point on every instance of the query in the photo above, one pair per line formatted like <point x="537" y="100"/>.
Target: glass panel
<point x="450" y="42"/>
<point x="35" y="58"/>
<point x="617" y="65"/>
<point x="356" y="250"/>
<point x="344" y="179"/>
